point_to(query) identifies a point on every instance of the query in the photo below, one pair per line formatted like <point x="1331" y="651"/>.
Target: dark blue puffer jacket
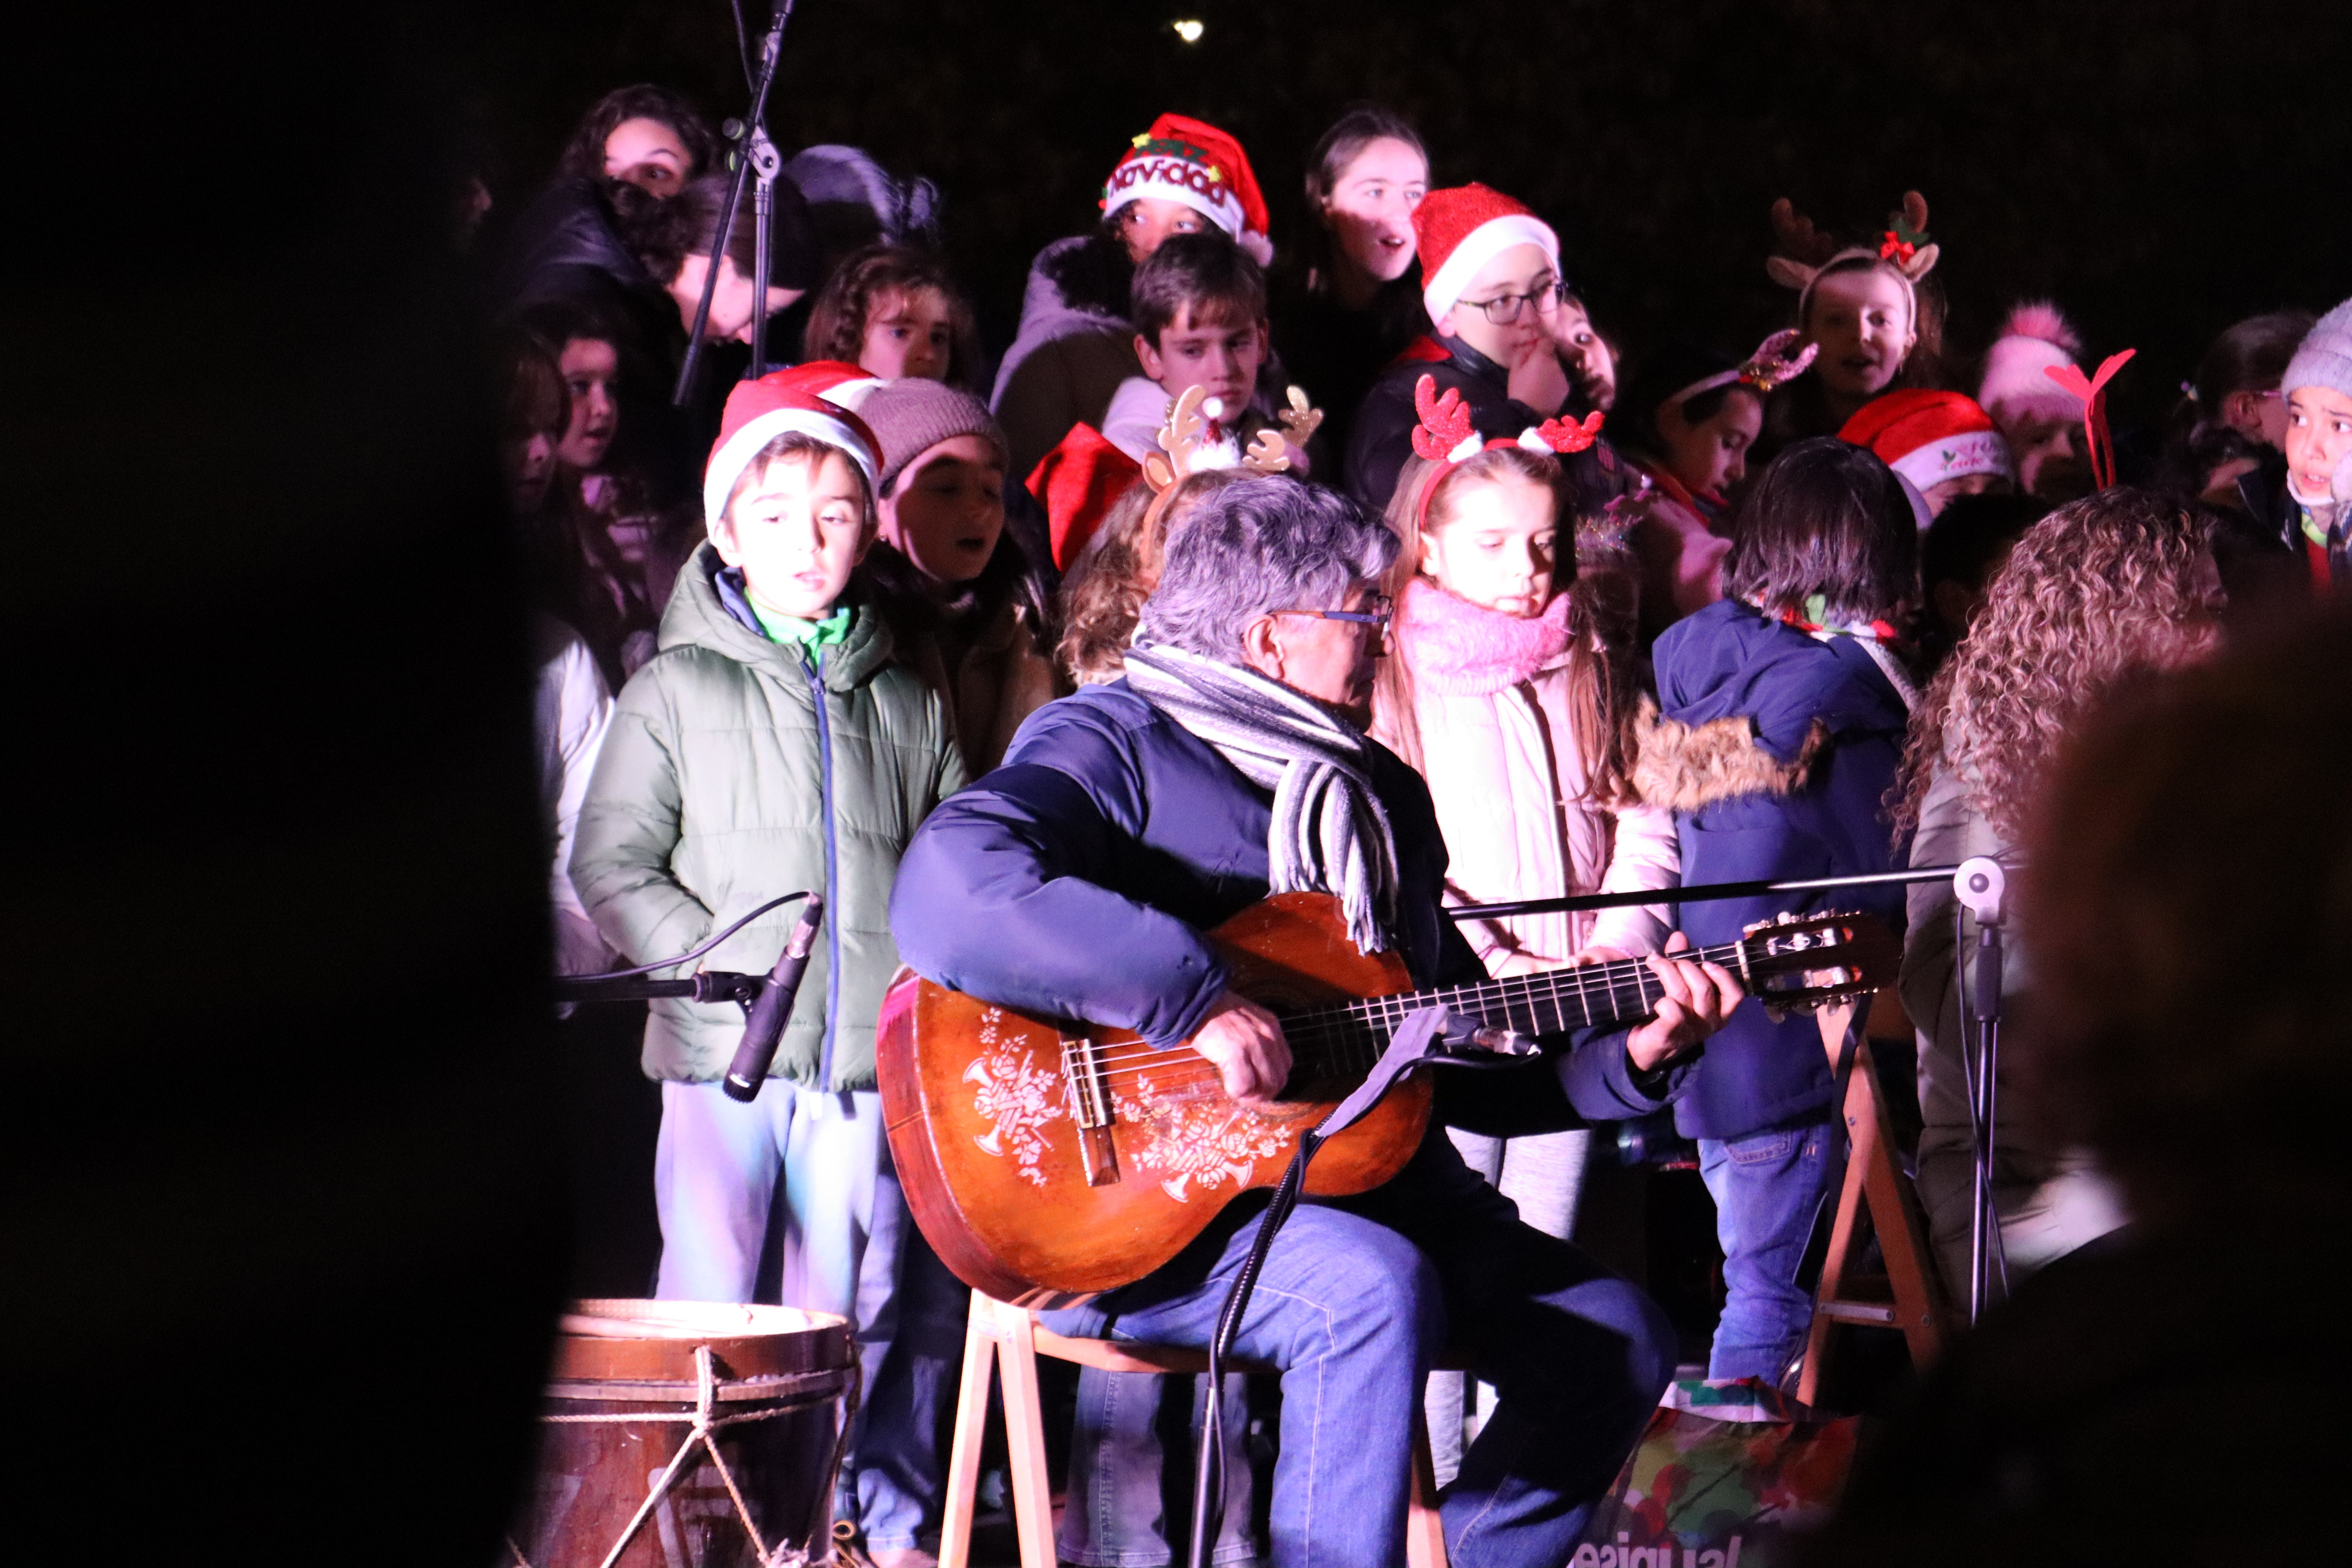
<point x="1076" y="881"/>
<point x="1776" y="751"/>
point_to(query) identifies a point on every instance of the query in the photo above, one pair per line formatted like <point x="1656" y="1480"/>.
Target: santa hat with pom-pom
<point x="1195" y="164"/>
<point x="1930" y="437"/>
<point x="817" y="399"/>
<point x="2036" y="337"/>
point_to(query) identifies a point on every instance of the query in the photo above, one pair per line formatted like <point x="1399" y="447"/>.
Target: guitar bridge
<point x="1090" y="1109"/>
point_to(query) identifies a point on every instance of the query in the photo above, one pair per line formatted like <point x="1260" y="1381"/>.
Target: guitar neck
<point x="1348" y="1036"/>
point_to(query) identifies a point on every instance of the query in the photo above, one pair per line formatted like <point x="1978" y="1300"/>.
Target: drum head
<point x="636" y="1340"/>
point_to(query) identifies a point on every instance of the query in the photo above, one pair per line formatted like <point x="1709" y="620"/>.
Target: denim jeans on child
<point x="1768" y="1187"/>
<point x="849" y="1248"/>
<point x="1356" y="1298"/>
<point x="1542" y="1174"/>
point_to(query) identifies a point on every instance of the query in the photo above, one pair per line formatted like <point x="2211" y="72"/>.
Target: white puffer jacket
<point x="1497" y="746"/>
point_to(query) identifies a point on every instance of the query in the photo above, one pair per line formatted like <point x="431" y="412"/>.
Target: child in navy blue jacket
<point x="1783" y="715"/>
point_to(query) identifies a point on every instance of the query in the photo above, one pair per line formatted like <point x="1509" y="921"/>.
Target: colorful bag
<point x="1723" y="1475"/>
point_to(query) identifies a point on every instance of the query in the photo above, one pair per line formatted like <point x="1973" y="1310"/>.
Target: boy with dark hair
<point x="774" y="744"/>
<point x="1199" y="309"/>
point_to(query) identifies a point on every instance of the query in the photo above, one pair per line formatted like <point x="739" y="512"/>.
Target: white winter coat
<point x="1498" y="749"/>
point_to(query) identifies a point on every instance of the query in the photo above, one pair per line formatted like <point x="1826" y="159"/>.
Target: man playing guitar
<point x="1077" y="880"/>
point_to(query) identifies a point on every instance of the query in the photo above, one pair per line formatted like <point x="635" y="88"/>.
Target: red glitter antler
<point x="1566" y="435"/>
<point x="1444" y="423"/>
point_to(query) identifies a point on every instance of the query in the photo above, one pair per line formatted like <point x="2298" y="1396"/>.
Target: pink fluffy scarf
<point x="1462" y="650"/>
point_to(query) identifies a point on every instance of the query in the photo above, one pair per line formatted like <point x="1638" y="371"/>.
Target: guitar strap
<point x="1431" y="1033"/>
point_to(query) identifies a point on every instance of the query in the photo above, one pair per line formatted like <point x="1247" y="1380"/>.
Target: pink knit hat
<point x="2035" y="339"/>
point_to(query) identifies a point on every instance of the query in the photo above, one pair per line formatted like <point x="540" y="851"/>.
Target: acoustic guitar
<point x="1048" y="1161"/>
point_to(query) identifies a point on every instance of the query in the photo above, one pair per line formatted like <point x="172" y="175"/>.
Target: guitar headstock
<point x="1797" y="962"/>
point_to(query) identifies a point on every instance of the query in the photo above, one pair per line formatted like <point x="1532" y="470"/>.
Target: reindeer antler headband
<point x="1769" y="366"/>
<point x="1903" y="249"/>
<point x="1446" y="438"/>
<point x="1184" y="440"/>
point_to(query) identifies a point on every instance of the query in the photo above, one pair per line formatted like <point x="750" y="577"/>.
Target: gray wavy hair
<point x="1256" y="547"/>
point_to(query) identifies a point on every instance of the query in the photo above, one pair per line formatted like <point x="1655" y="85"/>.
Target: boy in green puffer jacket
<point x="771" y="745"/>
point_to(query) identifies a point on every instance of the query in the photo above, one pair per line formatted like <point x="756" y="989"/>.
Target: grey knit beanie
<point x="911" y="417"/>
<point x="2325" y="356"/>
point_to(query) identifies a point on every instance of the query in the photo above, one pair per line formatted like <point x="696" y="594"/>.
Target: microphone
<point x="765" y="1027"/>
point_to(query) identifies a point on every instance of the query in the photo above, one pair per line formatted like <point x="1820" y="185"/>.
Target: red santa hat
<point x="1193" y="162"/>
<point x="2035" y="339"/>
<point x="1078" y="483"/>
<point x="1930" y="437"/>
<point x="1461" y="229"/>
<point x="818" y="399"/>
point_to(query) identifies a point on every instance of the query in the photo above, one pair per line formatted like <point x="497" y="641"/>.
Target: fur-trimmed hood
<point x="1746" y="706"/>
<point x="1686" y="766"/>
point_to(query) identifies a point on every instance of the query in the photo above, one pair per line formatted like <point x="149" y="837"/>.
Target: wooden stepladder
<point x="1908" y="1296"/>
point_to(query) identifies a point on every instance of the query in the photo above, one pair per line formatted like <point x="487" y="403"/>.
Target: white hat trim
<point x="1480" y="245"/>
<point x="727" y="463"/>
<point x="1955" y="456"/>
<point x="1170" y="179"/>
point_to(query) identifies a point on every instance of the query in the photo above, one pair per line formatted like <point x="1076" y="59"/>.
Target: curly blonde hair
<point x="2113" y="585"/>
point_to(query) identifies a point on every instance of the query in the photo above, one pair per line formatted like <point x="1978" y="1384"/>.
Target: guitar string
<point x="1547" y="989"/>
<point x="1355" y="1037"/>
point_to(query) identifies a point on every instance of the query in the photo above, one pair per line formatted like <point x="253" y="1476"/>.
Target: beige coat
<point x="1002" y="679"/>
<point x="1511" y="796"/>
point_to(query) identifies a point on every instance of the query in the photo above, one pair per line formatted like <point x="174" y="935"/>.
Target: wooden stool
<point x="998" y="1329"/>
<point x="1908" y="1296"/>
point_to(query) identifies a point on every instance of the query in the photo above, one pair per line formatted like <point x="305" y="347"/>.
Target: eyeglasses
<point x="1504" y="309"/>
<point x="1376" y="617"/>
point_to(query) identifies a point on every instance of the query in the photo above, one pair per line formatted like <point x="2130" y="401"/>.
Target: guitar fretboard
<point x="1344" y="1038"/>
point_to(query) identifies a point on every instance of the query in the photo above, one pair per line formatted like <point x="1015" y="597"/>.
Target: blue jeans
<point x="1131" y="1470"/>
<point x="1356" y="1297"/>
<point x="815" y="1168"/>
<point x="1768" y="1188"/>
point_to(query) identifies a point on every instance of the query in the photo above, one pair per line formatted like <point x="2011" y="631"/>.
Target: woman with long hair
<point x="2101" y="591"/>
<point x="1351" y="302"/>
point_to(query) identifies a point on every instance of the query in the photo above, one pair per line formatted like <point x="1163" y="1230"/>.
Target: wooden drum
<point x="689" y="1434"/>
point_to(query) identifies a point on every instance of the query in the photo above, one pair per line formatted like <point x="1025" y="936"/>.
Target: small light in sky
<point x="1188" y="30"/>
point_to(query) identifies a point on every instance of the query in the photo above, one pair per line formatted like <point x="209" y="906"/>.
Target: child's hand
<point x="1539" y="381"/>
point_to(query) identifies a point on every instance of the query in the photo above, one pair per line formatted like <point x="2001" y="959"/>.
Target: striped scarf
<point x="1329" y="832"/>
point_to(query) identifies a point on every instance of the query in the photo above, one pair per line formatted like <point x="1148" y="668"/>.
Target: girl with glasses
<point x="1491" y="283"/>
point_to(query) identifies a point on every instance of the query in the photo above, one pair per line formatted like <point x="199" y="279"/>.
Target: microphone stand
<point x="709" y="985"/>
<point x="1695" y="895"/>
<point x="766" y="164"/>
<point x="1982" y="888"/>
<point x="771" y="50"/>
